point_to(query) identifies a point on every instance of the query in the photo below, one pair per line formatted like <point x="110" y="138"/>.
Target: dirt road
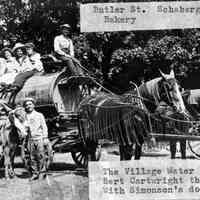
<point x="65" y="181"/>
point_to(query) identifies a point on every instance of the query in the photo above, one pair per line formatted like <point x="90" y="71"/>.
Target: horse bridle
<point x="167" y="89"/>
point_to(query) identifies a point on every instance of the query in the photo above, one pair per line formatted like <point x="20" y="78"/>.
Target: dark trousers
<point x="37" y="157"/>
<point x="182" y="148"/>
<point x="21" y="78"/>
<point x="75" y="70"/>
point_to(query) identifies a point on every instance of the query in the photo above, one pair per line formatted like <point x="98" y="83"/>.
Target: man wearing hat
<point x="64" y="48"/>
<point x="38" y="133"/>
<point x="34" y="56"/>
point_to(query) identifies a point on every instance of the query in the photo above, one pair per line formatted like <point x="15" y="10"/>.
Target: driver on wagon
<point x="37" y="138"/>
<point x="64" y="49"/>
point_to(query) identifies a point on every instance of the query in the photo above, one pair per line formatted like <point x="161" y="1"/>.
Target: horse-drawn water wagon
<point x="78" y="116"/>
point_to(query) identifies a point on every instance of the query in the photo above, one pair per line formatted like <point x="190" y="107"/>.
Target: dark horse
<point x="12" y="128"/>
<point x="106" y="116"/>
<point x="165" y="91"/>
<point x="192" y="102"/>
<point x="109" y="117"/>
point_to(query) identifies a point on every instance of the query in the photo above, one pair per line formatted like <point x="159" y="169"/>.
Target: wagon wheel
<point x="1" y="160"/>
<point x="195" y="148"/>
<point x="81" y="158"/>
<point x="1" y="156"/>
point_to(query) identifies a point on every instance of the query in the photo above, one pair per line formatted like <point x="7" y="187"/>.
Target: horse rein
<point x="167" y="92"/>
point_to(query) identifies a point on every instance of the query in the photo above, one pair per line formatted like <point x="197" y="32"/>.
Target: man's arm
<point x="44" y="126"/>
<point x="71" y="48"/>
<point x="37" y="63"/>
<point x="27" y="65"/>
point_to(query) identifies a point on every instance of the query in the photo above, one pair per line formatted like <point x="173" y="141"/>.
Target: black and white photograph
<point x="99" y="100"/>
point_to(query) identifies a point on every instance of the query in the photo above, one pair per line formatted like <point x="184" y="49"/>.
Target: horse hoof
<point x="7" y="179"/>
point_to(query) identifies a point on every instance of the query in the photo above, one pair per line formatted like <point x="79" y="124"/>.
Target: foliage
<point x="119" y="56"/>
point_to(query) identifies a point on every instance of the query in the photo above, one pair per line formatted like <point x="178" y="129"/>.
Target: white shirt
<point x="2" y="66"/>
<point x="61" y="43"/>
<point x="25" y="64"/>
<point x="12" y="68"/>
<point x="36" y="62"/>
<point x="37" y="124"/>
<point x="11" y="65"/>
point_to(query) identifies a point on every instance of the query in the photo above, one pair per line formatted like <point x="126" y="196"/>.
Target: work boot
<point x="34" y="177"/>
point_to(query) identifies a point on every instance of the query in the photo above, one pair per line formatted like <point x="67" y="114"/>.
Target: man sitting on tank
<point x="64" y="49"/>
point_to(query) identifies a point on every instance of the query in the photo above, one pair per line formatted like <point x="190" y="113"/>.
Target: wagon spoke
<point x="195" y="148"/>
<point x="85" y="161"/>
<point x="78" y="155"/>
<point x="82" y="158"/>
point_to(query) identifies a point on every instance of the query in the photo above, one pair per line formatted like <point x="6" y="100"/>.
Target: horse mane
<point x="153" y="89"/>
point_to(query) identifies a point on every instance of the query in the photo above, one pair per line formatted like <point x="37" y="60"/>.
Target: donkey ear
<point x="172" y="75"/>
<point x="162" y="74"/>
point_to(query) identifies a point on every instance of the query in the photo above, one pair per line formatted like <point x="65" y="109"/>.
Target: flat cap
<point x="29" y="99"/>
<point x="29" y="45"/>
<point x="65" y="26"/>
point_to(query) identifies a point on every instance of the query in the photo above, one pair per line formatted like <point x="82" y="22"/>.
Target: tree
<point x="119" y="56"/>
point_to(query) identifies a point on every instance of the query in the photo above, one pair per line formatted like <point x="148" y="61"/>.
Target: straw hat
<point x="18" y="46"/>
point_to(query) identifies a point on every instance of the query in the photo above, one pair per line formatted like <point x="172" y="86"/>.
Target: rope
<point x="122" y="103"/>
<point x="111" y="107"/>
<point x="89" y="74"/>
<point x="180" y="120"/>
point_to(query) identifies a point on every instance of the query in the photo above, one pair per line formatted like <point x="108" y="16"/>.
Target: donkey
<point x="12" y="129"/>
